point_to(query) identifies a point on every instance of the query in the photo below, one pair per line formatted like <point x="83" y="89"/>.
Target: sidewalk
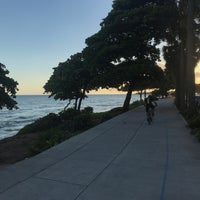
<point x="121" y="159"/>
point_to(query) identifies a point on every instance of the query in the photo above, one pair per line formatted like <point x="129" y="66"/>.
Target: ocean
<point x="32" y="107"/>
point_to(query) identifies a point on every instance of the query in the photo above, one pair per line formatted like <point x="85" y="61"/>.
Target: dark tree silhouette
<point x="69" y="80"/>
<point x="8" y="89"/>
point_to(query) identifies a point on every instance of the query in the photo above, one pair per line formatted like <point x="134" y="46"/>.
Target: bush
<point x="198" y="135"/>
<point x="69" y="114"/>
<point x="136" y="104"/>
<point x="48" y="139"/>
<point x="116" y="111"/>
<point x="189" y="115"/>
<point x="106" y="116"/>
<point x="45" y="123"/>
<point x="88" y="110"/>
<point x="63" y="131"/>
<point x="82" y="122"/>
<point x="194" y="122"/>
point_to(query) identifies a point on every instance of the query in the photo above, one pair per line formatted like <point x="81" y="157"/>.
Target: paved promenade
<point x="121" y="159"/>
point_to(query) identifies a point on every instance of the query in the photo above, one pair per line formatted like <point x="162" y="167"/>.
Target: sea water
<point x="32" y="107"/>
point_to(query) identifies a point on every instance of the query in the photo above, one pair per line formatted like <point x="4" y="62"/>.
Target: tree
<point x="69" y="81"/>
<point x="126" y="43"/>
<point x="164" y="85"/>
<point x="8" y="89"/>
<point x="182" y="52"/>
<point x="190" y="62"/>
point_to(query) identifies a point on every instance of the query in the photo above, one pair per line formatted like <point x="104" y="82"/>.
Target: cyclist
<point x="150" y="104"/>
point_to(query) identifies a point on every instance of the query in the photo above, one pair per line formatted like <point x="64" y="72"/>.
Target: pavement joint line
<point x="166" y="167"/>
<point x="59" y="181"/>
<point x="34" y="174"/>
<point x="133" y="138"/>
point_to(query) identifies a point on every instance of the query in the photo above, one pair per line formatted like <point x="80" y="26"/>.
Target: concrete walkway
<point x="121" y="159"/>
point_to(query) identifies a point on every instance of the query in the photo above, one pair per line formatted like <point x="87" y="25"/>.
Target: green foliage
<point x="160" y="93"/>
<point x="8" y="89"/>
<point x="69" y="114"/>
<point x="69" y="80"/>
<point x="45" y="123"/>
<point x="164" y="85"/>
<point x="106" y="116"/>
<point x="122" y="58"/>
<point x="82" y="122"/>
<point x="182" y="51"/>
<point x="198" y="135"/>
<point x="194" y="122"/>
<point x="110" y="114"/>
<point x="87" y="110"/>
<point x="75" y="120"/>
<point x="135" y="104"/>
<point x="56" y="133"/>
<point x="116" y="111"/>
<point x="48" y="139"/>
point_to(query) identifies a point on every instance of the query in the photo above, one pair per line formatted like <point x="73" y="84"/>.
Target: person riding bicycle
<point x="150" y="103"/>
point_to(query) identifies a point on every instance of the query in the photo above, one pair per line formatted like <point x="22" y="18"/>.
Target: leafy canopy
<point x="69" y="80"/>
<point x="8" y="89"/>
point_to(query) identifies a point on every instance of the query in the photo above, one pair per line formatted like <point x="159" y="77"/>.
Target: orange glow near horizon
<point x="36" y="87"/>
<point x="197" y="73"/>
<point x="106" y="91"/>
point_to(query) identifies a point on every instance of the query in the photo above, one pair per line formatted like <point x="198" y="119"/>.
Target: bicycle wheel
<point x="149" y="117"/>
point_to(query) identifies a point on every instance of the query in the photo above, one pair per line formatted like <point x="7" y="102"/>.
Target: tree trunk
<point x="128" y="97"/>
<point x="145" y="94"/>
<point x="81" y="98"/>
<point x="65" y="108"/>
<point x="140" y="93"/>
<point x="181" y="68"/>
<point x="75" y="104"/>
<point x="180" y="83"/>
<point x="190" y="80"/>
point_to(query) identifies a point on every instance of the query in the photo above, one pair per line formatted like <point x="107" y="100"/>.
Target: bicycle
<point x="150" y="114"/>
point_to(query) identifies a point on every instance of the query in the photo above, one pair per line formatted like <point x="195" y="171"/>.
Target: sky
<point x="197" y="73"/>
<point x="35" y="35"/>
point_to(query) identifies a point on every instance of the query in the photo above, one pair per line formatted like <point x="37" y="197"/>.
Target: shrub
<point x="106" y="116"/>
<point x="82" y="122"/>
<point x="49" y="121"/>
<point x="116" y="111"/>
<point x="88" y="110"/>
<point x="189" y="115"/>
<point x="136" y="104"/>
<point x="70" y="113"/>
<point x="198" y="135"/>
<point x="194" y="122"/>
<point x="48" y="139"/>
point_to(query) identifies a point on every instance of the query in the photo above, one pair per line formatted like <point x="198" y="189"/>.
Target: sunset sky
<point x="197" y="72"/>
<point x="38" y="34"/>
